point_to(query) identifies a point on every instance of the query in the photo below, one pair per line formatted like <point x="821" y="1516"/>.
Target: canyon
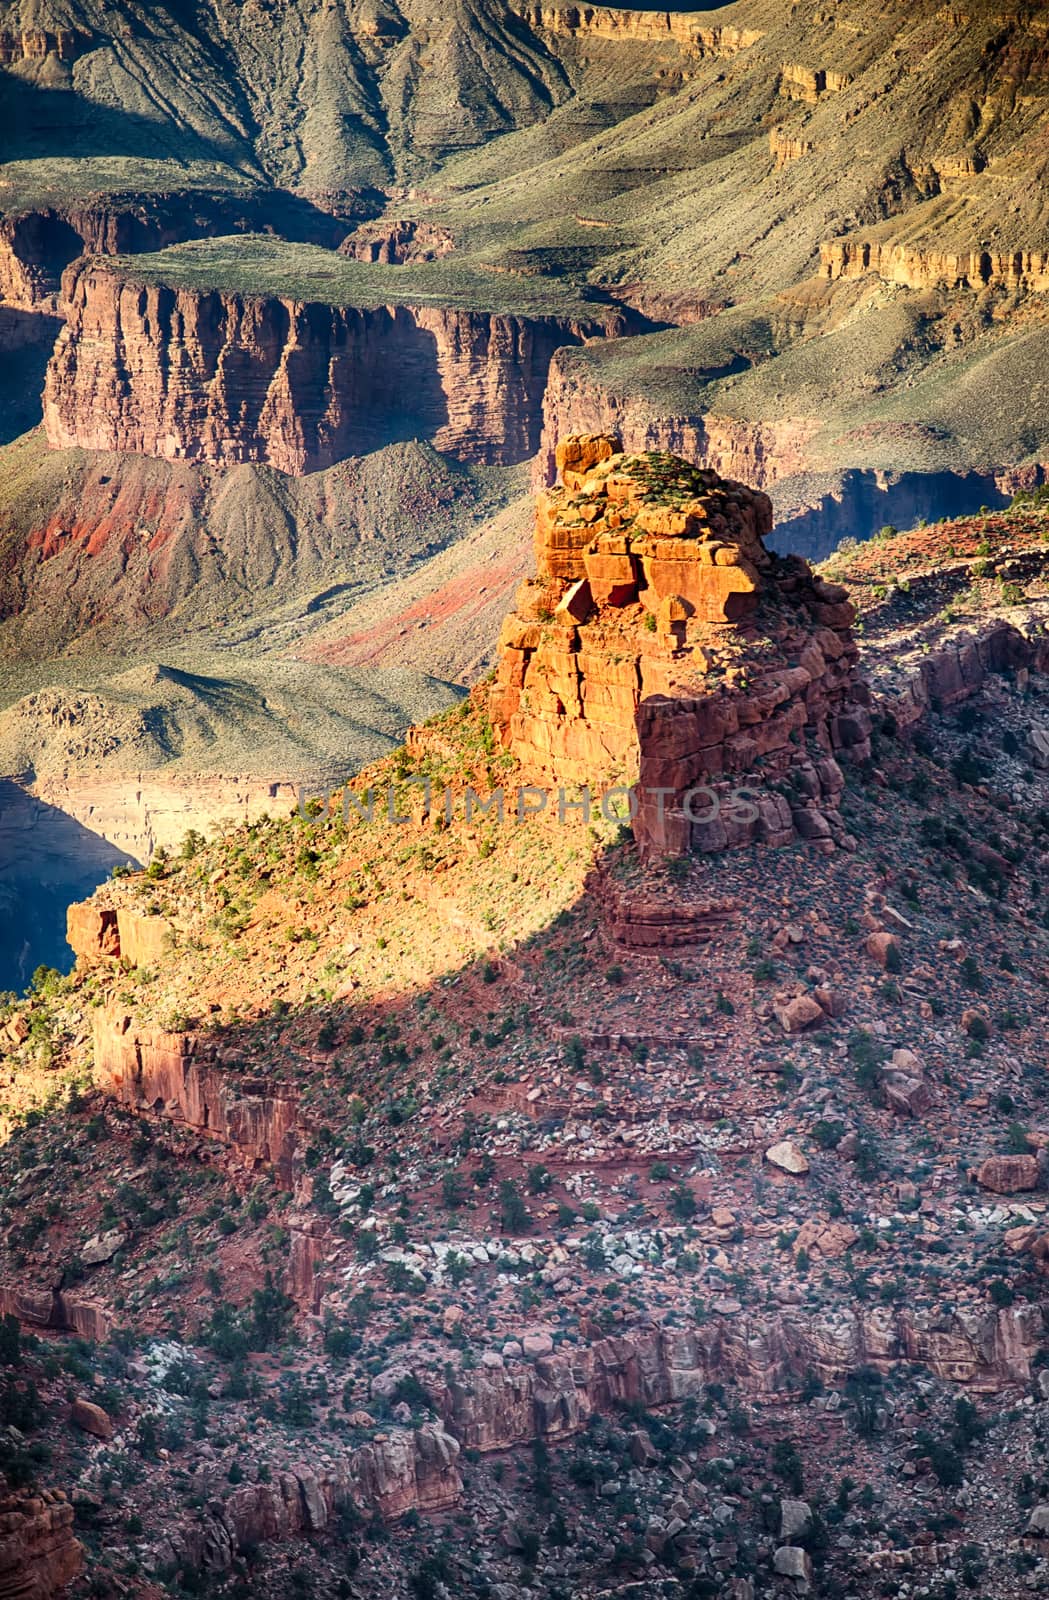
<point x="38" y="244"/>
<point x="451" y="1198"/>
<point x="613" y="1029"/>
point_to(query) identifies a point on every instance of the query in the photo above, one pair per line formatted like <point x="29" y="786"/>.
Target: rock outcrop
<point x="398" y="1471"/>
<point x="810" y="84"/>
<point x="504" y="1404"/>
<point x="958" y="670"/>
<point x="639" y="27"/>
<point x="39" y="1555"/>
<point x="214" y="376"/>
<point x="661" y="646"/>
<point x="923" y="267"/>
<point x="786" y="148"/>
<point x="398" y="243"/>
<point x="40" y="44"/>
<point x="55" y="1309"/>
<point x="97" y="933"/>
<point x="178" y="1076"/>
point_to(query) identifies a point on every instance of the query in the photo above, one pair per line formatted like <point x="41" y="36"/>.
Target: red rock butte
<point x="662" y="645"/>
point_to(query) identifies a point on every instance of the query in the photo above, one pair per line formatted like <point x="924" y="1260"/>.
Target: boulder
<point x="91" y="933"/>
<point x="882" y="948"/>
<point x="102" y="1247"/>
<point x="1008" y="1174"/>
<point x="790" y="1561"/>
<point x="1038" y="1522"/>
<point x="803" y="1012"/>
<point x="84" y="1414"/>
<point x="795" y="1520"/>
<point x="787" y="1158"/>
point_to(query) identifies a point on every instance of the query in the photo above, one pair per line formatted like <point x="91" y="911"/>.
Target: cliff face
<point x="220" y="377"/>
<point x="38" y="1554"/>
<point x="927" y="268"/>
<point x="639" y="27"/>
<point x="153" y="1071"/>
<point x="38" y="45"/>
<point x="141" y="814"/>
<point x="757" y="453"/>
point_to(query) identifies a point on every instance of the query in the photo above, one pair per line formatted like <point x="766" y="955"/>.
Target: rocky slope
<point x="609" y="1227"/>
<point x="101" y="552"/>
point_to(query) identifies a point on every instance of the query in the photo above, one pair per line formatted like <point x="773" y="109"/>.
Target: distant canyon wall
<point x="642" y="27"/>
<point x="815" y="507"/>
<point x="138" y="815"/>
<point x="755" y="453"/>
<point x="38" y="244"/>
<point x="923" y="267"/>
<point x="222" y="377"/>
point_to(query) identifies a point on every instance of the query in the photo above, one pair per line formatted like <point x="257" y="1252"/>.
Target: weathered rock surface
<point x="38" y="1554"/>
<point x="653" y="27"/>
<point x="91" y="931"/>
<point x="58" y="1309"/>
<point x="787" y="1157"/>
<point x="952" y="674"/>
<point x="91" y="1419"/>
<point x="215" y="376"/>
<point x="1008" y="1174"/>
<point x="662" y="646"/>
<point x="925" y="267"/>
<point x="400" y="1470"/>
<point x="177" y="1076"/>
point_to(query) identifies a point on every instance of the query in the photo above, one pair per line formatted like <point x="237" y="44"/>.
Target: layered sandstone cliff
<point x="639" y="27"/>
<point x="401" y="1470"/>
<point x="180" y="1076"/>
<point x="39" y="1555"/>
<point x="225" y="377"/>
<point x="38" y="45"/>
<point x="925" y="267"/>
<point x="661" y="645"/>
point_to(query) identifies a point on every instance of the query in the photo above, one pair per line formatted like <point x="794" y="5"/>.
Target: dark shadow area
<point x="26" y="342"/>
<point x="48" y="860"/>
<point x="38" y="123"/>
<point x="860" y="503"/>
<point x="47" y="242"/>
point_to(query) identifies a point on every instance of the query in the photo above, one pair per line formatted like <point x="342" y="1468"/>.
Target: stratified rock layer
<point x="197" y="375"/>
<point x="661" y="645"/>
<point x="38" y="1554"/>
<point x="177" y="1075"/>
